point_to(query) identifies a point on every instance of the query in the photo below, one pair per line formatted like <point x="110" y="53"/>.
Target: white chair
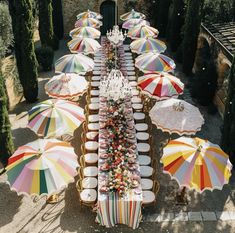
<point x="91" y="158"/>
<point x="137" y="107"/>
<point x="133" y="84"/>
<point x="96" y="72"/>
<point x="142" y="136"/>
<point x="146" y="184"/>
<point x="90" y="171"/>
<point x="144" y="160"/>
<point x="94" y="106"/>
<point x="141" y="127"/>
<point x="131" y="78"/>
<point x="146" y="171"/>
<point x="95" y="84"/>
<point x="130" y="68"/>
<point x="93" y="118"/>
<point x="92" y="136"/>
<point x="130" y="73"/>
<point x="136" y="100"/>
<point x="95" y="78"/>
<point x="143" y="147"/>
<point x="95" y="100"/>
<point x="139" y="116"/>
<point x="93" y="126"/>
<point x="135" y="92"/>
<point x="148" y="197"/>
<point x="89" y="183"/>
<point x="88" y="195"/>
<point x="95" y="92"/>
<point x="91" y="146"/>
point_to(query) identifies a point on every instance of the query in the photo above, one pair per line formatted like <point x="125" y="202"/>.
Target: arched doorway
<point x="107" y="9"/>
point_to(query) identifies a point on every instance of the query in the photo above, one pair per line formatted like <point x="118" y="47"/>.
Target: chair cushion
<point x="148" y="197"/>
<point x="88" y="195"/>
<point x="135" y="92"/>
<point x="93" y="126"/>
<point x="95" y="84"/>
<point x="136" y="100"/>
<point x="94" y="106"/>
<point x="96" y="72"/>
<point x="146" y="171"/>
<point x="91" y="158"/>
<point x="142" y="136"/>
<point x="130" y="72"/>
<point x="143" y="147"/>
<point x="137" y="106"/>
<point x="144" y="160"/>
<point x="133" y="83"/>
<point x="95" y="78"/>
<point x="139" y="116"/>
<point x="91" y="145"/>
<point x="95" y="92"/>
<point x="95" y="100"/>
<point x="141" y="127"/>
<point x="92" y="136"/>
<point x="90" y="171"/>
<point x="130" y="68"/>
<point x="89" y="183"/>
<point x="146" y="184"/>
<point x="132" y="78"/>
<point x="93" y="118"/>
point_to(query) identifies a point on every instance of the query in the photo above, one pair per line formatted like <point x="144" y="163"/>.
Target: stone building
<point x="106" y="7"/>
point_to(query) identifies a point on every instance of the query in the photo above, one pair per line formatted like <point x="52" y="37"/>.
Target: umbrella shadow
<point x="9" y="204"/>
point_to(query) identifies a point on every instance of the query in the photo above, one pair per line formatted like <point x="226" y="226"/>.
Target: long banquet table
<point x="113" y="208"/>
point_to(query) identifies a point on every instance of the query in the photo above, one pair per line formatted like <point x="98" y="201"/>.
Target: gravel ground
<point x="30" y="214"/>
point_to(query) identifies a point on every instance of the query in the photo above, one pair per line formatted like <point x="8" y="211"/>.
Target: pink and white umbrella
<point x="66" y="86"/>
<point x="176" y="116"/>
<point x="89" y="14"/>
<point x="84" y="45"/>
<point x="160" y="85"/>
<point x="142" y="31"/>
<point x="89" y="32"/>
<point x="88" y="22"/>
<point x="132" y="15"/>
<point x="130" y="23"/>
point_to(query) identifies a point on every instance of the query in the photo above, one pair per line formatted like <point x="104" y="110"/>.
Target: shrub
<point x="45" y="56"/>
<point x="57" y="15"/>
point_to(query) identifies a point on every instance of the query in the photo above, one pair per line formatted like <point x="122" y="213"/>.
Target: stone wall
<point x="71" y="8"/>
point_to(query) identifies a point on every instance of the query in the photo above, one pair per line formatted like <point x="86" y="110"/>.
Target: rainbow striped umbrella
<point x="142" y="31"/>
<point x="74" y="63"/>
<point x="146" y="45"/>
<point x="160" y="85"/>
<point x="44" y="166"/>
<point x="196" y="163"/>
<point x="88" y="32"/>
<point x="130" y="23"/>
<point x="132" y="15"/>
<point x="154" y="62"/>
<point x="89" y="14"/>
<point x="66" y="86"/>
<point x="84" y="45"/>
<point x="176" y="116"/>
<point x="54" y="118"/>
<point x="88" y="22"/>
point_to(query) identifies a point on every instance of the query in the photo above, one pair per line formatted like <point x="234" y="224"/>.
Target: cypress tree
<point x="228" y="131"/>
<point x="46" y="23"/>
<point x="162" y="16"/>
<point x="191" y="32"/>
<point x="57" y="15"/>
<point x="22" y="23"/>
<point x="176" y="24"/>
<point x="6" y="143"/>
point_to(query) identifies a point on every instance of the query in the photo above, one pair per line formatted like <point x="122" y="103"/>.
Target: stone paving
<point x="209" y="212"/>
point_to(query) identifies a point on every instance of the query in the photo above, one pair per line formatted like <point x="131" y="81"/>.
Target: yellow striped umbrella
<point x="196" y="163"/>
<point x="88" y="32"/>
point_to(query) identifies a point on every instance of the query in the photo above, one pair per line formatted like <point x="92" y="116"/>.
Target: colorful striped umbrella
<point x="54" y="118"/>
<point x="66" y="86"/>
<point x="88" y="22"/>
<point x="142" y="31"/>
<point x="196" y="163"/>
<point x="176" y="116"/>
<point x="154" y="62"/>
<point x="74" y="63"/>
<point x="89" y="14"/>
<point x="84" y="45"/>
<point x="146" y="45"/>
<point x="132" y="15"/>
<point x="130" y="23"/>
<point x="44" y="166"/>
<point x="160" y="85"/>
<point x="88" y="32"/>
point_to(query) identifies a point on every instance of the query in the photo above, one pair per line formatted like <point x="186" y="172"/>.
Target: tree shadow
<point x="9" y="204"/>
